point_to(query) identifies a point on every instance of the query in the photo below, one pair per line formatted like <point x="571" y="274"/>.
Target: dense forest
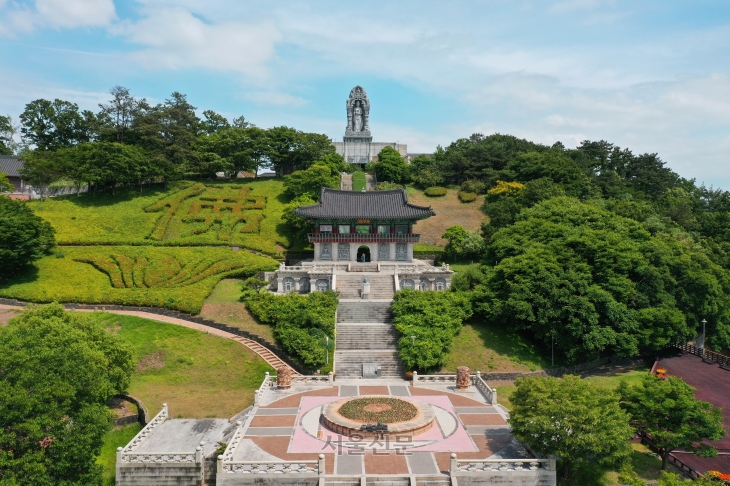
<point x="130" y="141"/>
<point x="593" y="250"/>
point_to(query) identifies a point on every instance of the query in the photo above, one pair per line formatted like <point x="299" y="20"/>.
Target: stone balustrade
<point x="147" y="430"/>
<point x="167" y="457"/>
<point x="270" y="381"/>
<point x="517" y="471"/>
<point x="299" y="468"/>
<point x="490" y="394"/>
<point x="233" y="443"/>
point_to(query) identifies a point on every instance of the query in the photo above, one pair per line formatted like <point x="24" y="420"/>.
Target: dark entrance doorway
<point x="363" y="254"/>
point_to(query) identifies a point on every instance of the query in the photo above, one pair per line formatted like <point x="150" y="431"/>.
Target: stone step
<point x="348" y="363"/>
<point x="366" y="336"/>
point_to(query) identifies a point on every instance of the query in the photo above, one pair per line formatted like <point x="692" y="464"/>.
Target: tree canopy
<point x="668" y="411"/>
<point x="59" y="371"/>
<point x="24" y="237"/>
<point x="571" y="418"/>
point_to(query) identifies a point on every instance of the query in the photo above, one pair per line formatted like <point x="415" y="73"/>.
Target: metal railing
<point x="357" y="238"/>
<point x="705" y="354"/>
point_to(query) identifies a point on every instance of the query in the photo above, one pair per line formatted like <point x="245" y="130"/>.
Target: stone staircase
<point x="365" y="334"/>
<point x="350" y="286"/>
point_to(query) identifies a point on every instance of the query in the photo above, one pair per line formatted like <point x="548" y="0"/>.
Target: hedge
<point x="173" y="278"/>
<point x="434" y="318"/>
<point x="467" y="197"/>
<point x="300" y="322"/>
<point x="435" y="191"/>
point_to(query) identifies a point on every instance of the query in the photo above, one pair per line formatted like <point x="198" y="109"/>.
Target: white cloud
<point x="76" y="13"/>
<point x="176" y="39"/>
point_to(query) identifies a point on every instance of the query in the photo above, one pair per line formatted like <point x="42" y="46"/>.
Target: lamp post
<point x="704" y="321"/>
<point x="327" y="355"/>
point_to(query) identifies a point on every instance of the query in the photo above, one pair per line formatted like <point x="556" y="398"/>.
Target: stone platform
<point x="283" y="437"/>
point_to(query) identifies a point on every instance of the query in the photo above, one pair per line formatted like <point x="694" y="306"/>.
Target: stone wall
<point x="140" y="474"/>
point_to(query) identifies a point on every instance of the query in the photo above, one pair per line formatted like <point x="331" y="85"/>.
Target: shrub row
<point x="467" y="197"/>
<point x="434" y="318"/>
<point x="172" y="278"/>
<point x="300" y="322"/>
<point x="435" y="191"/>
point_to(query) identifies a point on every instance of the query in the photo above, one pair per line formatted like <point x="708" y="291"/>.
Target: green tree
<point x="310" y="181"/>
<point x="668" y="411"/>
<point x="59" y="370"/>
<point x="8" y="145"/>
<point x="40" y="169"/>
<point x="599" y="283"/>
<point x="213" y="122"/>
<point x="24" y="237"/>
<point x="434" y="318"/>
<point x="298" y="226"/>
<point x="116" y="118"/>
<point x="571" y="418"/>
<point x="292" y="150"/>
<point x="463" y="244"/>
<point x="50" y="125"/>
<point x="242" y="148"/>
<point x="5" y="185"/>
<point x="390" y="167"/>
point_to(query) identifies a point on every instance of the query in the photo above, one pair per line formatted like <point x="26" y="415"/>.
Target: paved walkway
<point x="257" y="348"/>
<point x="345" y="182"/>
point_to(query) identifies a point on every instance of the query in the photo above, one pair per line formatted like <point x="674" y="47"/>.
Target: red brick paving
<point x="487" y="447"/>
<point x="482" y="419"/>
<point x="456" y="399"/>
<point x="713" y="385"/>
<point x="293" y="400"/>
<point x="383" y="463"/>
<point x="374" y="390"/>
<point x="274" y="421"/>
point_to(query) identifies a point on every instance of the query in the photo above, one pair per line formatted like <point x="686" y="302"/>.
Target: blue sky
<point x="652" y="76"/>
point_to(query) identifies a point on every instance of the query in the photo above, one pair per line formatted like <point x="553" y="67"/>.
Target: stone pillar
<point x="463" y="378"/>
<point x="279" y="284"/>
<point x="417" y="283"/>
<point x="391" y="251"/>
<point x="365" y="288"/>
<point x="317" y="249"/>
<point x="453" y="467"/>
<point x="320" y="466"/>
<point x="353" y="252"/>
<point x="415" y="378"/>
<point x="410" y="252"/>
<point x="283" y="378"/>
<point x="296" y="284"/>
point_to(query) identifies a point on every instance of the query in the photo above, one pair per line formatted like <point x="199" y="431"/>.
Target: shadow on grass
<point x="27" y="274"/>
<point x="510" y="344"/>
<point x="104" y="196"/>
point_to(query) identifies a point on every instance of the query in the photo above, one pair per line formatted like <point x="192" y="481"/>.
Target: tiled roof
<point x="364" y="205"/>
<point x="10" y="164"/>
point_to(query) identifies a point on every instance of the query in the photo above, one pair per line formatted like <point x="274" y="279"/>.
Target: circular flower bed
<point x="375" y="409"/>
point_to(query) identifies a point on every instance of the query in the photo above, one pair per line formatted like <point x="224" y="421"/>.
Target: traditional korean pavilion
<point x="375" y="226"/>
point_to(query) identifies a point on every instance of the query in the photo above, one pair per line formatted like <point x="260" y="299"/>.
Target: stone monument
<point x="357" y="146"/>
<point x="283" y="378"/>
<point x="463" y="378"/>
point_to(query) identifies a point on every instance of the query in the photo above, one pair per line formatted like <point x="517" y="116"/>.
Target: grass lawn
<point x="204" y="216"/>
<point x="174" y="277"/>
<point x="117" y="437"/>
<point x="223" y="305"/>
<point x="486" y="348"/>
<point x="359" y="181"/>
<point x="449" y="212"/>
<point x="198" y="375"/>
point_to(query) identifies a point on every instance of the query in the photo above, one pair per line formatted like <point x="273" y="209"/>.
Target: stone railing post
<point x="453" y="467"/>
<point x="220" y="464"/>
<point x="415" y="378"/>
<point x="119" y="459"/>
<point x="331" y="377"/>
<point x="494" y="396"/>
<point x="551" y="463"/>
<point x="320" y="465"/>
<point x="255" y="398"/>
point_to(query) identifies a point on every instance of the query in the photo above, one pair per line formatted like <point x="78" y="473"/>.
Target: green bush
<point x="172" y="277"/>
<point x="467" y="197"/>
<point x="24" y="237"/>
<point x="435" y="191"/>
<point x="300" y="322"/>
<point x="387" y="186"/>
<point x="359" y="181"/>
<point x="434" y="318"/>
<point x="473" y="186"/>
